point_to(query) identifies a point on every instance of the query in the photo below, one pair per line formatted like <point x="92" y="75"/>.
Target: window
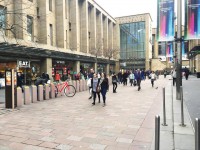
<point x="38" y="12"/>
<point x="50" y="5"/>
<point x="51" y="34"/>
<point x="2" y="17"/>
<point x="30" y="27"/>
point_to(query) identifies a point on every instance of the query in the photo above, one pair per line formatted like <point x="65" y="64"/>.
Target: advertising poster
<point x="8" y="78"/>
<point x="184" y="50"/>
<point x="165" y="18"/>
<point x="192" y="19"/>
<point x="169" y="52"/>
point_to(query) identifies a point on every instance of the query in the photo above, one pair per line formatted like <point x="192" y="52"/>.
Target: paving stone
<point x="97" y="146"/>
<point x="63" y="147"/>
<point x="74" y="138"/>
<point x="124" y="140"/>
<point x="49" y="145"/>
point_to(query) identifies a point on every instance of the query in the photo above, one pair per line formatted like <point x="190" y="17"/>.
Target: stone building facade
<point x="57" y="35"/>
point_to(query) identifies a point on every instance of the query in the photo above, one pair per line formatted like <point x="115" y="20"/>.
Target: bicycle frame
<point x="61" y="87"/>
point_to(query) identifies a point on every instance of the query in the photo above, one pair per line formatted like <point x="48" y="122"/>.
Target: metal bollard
<point x="157" y="132"/>
<point x="182" y="110"/>
<point x="164" y="109"/>
<point x="197" y="134"/>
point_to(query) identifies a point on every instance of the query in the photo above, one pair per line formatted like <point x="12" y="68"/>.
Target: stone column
<point x="110" y="34"/>
<point x="105" y="32"/>
<point x="95" y="67"/>
<point x="74" y="25"/>
<point x="107" y="69"/>
<point x="76" y="66"/>
<point x="92" y="29"/>
<point x="198" y="63"/>
<point x="117" y="67"/>
<point x="46" y="66"/>
<point x="83" y="5"/>
<point x="99" y="29"/>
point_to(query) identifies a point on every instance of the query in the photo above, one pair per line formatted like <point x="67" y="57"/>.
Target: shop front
<point x="63" y="68"/>
<point x="101" y="68"/>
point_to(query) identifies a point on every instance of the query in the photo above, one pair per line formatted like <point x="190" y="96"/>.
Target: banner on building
<point x="165" y="20"/>
<point x="192" y="19"/>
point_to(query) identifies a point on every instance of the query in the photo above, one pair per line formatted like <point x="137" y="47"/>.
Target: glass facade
<point x="132" y="44"/>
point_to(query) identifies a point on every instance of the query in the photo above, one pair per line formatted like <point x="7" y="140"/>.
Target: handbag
<point x="98" y="89"/>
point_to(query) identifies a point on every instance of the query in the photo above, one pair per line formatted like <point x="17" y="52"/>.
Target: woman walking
<point x="104" y="87"/>
<point x="95" y="87"/>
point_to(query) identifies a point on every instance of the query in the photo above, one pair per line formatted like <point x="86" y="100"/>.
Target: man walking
<point x="138" y="78"/>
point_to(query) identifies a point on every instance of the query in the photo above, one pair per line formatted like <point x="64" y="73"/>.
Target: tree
<point x="111" y="53"/>
<point x="97" y="51"/>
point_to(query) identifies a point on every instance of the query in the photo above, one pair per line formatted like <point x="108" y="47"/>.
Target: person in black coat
<point x="104" y="83"/>
<point x="20" y="81"/>
<point x="114" y="82"/>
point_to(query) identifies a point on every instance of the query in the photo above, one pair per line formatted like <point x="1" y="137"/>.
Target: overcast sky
<point x="118" y="8"/>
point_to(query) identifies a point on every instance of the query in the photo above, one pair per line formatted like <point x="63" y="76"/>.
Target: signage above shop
<point x="23" y="63"/>
<point x="60" y="62"/>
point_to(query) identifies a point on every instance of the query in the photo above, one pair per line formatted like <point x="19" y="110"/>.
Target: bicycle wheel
<point x="56" y="91"/>
<point x="70" y="91"/>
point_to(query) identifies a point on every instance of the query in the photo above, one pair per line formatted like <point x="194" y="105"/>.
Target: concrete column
<point x="92" y="28"/>
<point x="34" y="93"/>
<point x="19" y="97"/>
<point x="198" y="63"/>
<point x="27" y="98"/>
<point x="52" y="90"/>
<point x="76" y="66"/>
<point x="74" y="25"/>
<point x="99" y="29"/>
<point x="47" y="90"/>
<point x="40" y="93"/>
<point x="46" y="66"/>
<point x="83" y="5"/>
<point x="77" y="86"/>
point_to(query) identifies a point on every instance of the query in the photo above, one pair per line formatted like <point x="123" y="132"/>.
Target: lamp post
<point x="179" y="50"/>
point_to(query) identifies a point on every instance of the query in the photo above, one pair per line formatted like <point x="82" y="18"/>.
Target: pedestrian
<point x="104" y="87"/>
<point x="153" y="78"/>
<point x="90" y="76"/>
<point x="174" y="76"/>
<point x="20" y="81"/>
<point x="138" y="78"/>
<point x="165" y="74"/>
<point x="114" y="82"/>
<point x="187" y="72"/>
<point x="119" y="77"/>
<point x="57" y="76"/>
<point x="125" y="76"/>
<point x="95" y="88"/>
<point x="132" y="78"/>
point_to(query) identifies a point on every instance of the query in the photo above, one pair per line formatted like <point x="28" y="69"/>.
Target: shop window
<point x="2" y="17"/>
<point x="50" y="5"/>
<point x="30" y="27"/>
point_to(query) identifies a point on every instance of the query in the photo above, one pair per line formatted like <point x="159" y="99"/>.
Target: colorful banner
<point x="192" y="19"/>
<point x="169" y="52"/>
<point x="184" y="50"/>
<point x="165" y="20"/>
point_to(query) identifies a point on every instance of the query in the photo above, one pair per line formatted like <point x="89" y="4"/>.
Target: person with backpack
<point x="95" y="87"/>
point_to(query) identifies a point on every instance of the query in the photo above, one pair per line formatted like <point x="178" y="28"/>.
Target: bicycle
<point x="69" y="90"/>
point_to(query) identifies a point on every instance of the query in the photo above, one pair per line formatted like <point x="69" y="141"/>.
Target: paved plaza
<point x="125" y="123"/>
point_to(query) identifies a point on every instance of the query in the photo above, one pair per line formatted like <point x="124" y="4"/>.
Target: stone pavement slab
<point x="127" y="121"/>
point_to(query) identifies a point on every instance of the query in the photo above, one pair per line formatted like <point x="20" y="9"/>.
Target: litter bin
<point x="198" y="74"/>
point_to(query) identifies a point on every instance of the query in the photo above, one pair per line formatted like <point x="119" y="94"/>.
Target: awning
<point x="193" y="52"/>
<point x="16" y="51"/>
